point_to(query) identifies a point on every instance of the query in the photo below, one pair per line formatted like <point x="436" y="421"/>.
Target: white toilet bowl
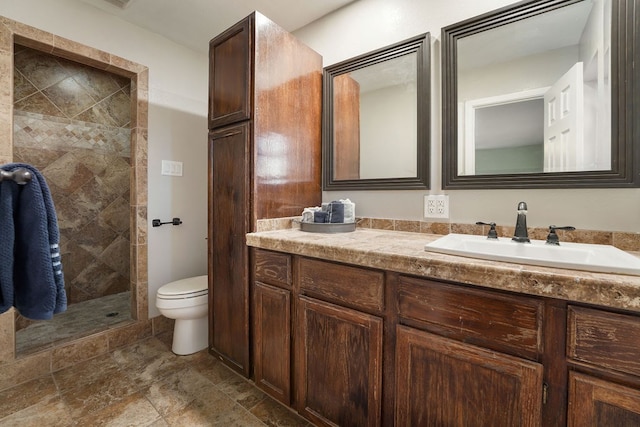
<point x="186" y="301"/>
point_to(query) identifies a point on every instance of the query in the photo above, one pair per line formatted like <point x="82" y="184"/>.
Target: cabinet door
<point x="230" y="85"/>
<point x="442" y="382"/>
<point x="598" y="403"/>
<point x="338" y="365"/>
<point x="228" y="253"/>
<point x="272" y="342"/>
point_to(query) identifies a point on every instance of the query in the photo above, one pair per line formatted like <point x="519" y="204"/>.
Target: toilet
<point x="186" y="301"/>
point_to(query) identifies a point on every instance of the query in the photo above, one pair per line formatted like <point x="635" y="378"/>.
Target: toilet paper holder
<point x="158" y="223"/>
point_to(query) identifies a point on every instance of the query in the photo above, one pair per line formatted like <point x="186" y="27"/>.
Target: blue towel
<point x="31" y="277"/>
<point x="336" y="212"/>
<point x="321" y="216"/>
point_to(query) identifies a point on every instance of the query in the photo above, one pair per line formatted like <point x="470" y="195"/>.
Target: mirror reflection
<point x="376" y="119"/>
<point x="365" y="102"/>
<point x="534" y="96"/>
<point x="542" y="95"/>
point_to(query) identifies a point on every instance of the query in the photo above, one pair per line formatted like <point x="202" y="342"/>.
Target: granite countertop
<point x="404" y="252"/>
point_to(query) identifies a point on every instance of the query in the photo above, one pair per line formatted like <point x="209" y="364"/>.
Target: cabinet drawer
<point x="351" y="286"/>
<point x="605" y="339"/>
<point x="273" y="268"/>
<point x="490" y="319"/>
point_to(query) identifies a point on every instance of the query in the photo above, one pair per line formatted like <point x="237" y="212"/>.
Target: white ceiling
<point x="193" y="23"/>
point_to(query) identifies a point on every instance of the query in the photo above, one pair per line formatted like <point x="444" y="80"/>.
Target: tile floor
<point x="144" y="384"/>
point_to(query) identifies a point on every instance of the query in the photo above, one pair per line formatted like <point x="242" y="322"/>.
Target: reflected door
<point x="564" y="123"/>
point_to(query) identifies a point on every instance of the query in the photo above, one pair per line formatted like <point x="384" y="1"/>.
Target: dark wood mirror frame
<point x="625" y="105"/>
<point x="421" y="46"/>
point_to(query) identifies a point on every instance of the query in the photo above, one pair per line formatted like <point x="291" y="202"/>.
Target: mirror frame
<point x="625" y="91"/>
<point x="421" y="46"/>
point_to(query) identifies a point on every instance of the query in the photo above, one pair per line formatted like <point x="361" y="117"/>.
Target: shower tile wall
<point x="72" y="122"/>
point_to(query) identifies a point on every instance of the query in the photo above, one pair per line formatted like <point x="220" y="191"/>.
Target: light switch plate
<point x="171" y="168"/>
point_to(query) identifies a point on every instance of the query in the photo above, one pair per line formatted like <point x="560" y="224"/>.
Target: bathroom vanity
<point x="368" y="329"/>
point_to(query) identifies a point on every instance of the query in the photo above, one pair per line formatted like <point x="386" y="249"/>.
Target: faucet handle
<point x="552" y="237"/>
<point x="493" y="234"/>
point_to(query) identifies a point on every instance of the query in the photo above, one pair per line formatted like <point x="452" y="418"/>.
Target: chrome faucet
<point x="521" y="234"/>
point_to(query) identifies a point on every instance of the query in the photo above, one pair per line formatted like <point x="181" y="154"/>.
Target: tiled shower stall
<point x="72" y="122"/>
<point x="14" y="36"/>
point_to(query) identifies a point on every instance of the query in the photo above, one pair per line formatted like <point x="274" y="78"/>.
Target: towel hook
<point x="20" y="176"/>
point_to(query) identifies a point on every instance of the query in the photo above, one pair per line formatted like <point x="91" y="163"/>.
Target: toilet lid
<point x="192" y="286"/>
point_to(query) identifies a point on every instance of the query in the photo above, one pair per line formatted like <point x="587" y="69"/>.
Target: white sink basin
<point x="576" y="256"/>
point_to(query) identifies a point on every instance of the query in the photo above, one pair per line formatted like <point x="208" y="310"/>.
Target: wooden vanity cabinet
<point x="443" y="382"/>
<point x="265" y="104"/>
<point x="272" y="333"/>
<point x="338" y="364"/>
<point x="352" y="346"/>
<point x="339" y="333"/>
<point x="467" y="357"/>
<point x="604" y="353"/>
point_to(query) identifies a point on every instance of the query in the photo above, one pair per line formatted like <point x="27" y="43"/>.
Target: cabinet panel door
<point x="230" y="65"/>
<point x="338" y="365"/>
<point x="272" y="345"/>
<point x="228" y="253"/>
<point x="441" y="382"/>
<point x="594" y="402"/>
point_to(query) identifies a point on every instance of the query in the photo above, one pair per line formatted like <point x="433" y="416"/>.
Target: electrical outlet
<point x="436" y="206"/>
<point x="429" y="207"/>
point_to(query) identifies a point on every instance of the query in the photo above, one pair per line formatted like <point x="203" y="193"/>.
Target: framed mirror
<point x="542" y="94"/>
<point x="376" y="110"/>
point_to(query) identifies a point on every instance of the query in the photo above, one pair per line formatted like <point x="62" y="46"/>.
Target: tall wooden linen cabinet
<point x="265" y="104"/>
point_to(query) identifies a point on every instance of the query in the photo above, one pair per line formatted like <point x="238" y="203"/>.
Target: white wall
<point x="388" y="131"/>
<point x="178" y="80"/>
<point x="366" y="25"/>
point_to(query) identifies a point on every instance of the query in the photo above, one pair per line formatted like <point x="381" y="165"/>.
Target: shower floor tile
<point x="80" y="319"/>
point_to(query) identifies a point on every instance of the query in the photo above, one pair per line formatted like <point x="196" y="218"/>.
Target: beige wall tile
<point x="162" y="324"/>
<point x="382" y="224"/>
<point x="403" y="225"/>
<point x="125" y="67"/>
<point x="6" y="38"/>
<point x="139" y="147"/>
<point x="79" y="351"/>
<point x="6" y="76"/>
<point x="627" y="241"/>
<point x="6" y="131"/>
<point x="7" y="336"/>
<point x="435" y="227"/>
<point x="31" y="37"/>
<point x="25" y="369"/>
<point x="129" y="334"/>
<point x="142" y="300"/>
<point x="83" y="54"/>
